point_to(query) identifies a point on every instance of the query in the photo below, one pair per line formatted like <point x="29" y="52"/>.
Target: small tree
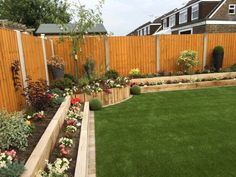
<point x="187" y="60"/>
<point x="85" y="19"/>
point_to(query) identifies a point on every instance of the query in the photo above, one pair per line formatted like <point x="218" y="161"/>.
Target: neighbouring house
<point x="200" y="16"/>
<point x="148" y="28"/>
<point x="56" y="30"/>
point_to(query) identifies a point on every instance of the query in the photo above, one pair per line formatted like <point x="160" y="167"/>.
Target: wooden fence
<point x="150" y="54"/>
<point x="29" y="51"/>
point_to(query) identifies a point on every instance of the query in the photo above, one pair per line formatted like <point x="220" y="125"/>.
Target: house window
<point x="183" y="16"/>
<point x="172" y="21"/>
<point x="147" y="32"/>
<point x="195" y="12"/>
<point x="232" y="9"/>
<point x="164" y="23"/>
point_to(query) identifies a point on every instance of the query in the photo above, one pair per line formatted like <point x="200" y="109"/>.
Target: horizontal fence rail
<point x="151" y="54"/>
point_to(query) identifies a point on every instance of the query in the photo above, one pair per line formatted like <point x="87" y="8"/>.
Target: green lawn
<point x="169" y="134"/>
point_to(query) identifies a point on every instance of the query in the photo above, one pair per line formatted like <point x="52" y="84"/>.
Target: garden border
<point x="117" y="95"/>
<point x="41" y="153"/>
<point x="184" y="77"/>
<point x="187" y="86"/>
<point x="81" y="169"/>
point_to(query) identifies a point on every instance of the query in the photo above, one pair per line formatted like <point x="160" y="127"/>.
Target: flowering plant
<point x="71" y="129"/>
<point x="75" y="101"/>
<point x="56" y="168"/>
<point x="6" y="158"/>
<point x="135" y="73"/>
<point x="75" y="115"/>
<point x="39" y="115"/>
<point x="71" y="121"/>
<point x="187" y="60"/>
<point x="68" y="91"/>
<point x="56" y="62"/>
<point x="63" y="150"/>
<point x="67" y="142"/>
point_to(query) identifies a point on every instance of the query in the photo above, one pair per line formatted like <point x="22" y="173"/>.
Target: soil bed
<point x="39" y="128"/>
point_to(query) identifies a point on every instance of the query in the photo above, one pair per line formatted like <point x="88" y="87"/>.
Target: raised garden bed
<point x="43" y="149"/>
<point x="145" y="81"/>
<point x="186" y="86"/>
<point x="116" y="95"/>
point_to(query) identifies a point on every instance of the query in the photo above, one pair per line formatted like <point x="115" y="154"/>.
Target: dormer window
<point x="183" y="16"/>
<point x="164" y="23"/>
<point x="232" y="9"/>
<point x="172" y="21"/>
<point x="195" y="12"/>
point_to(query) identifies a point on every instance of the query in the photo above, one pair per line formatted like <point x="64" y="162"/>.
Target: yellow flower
<point x="28" y="122"/>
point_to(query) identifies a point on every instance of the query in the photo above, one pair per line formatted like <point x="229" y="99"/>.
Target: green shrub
<point x="69" y="76"/>
<point x="233" y="67"/>
<point x="83" y="81"/>
<point x="187" y="60"/>
<point x="95" y="104"/>
<point x="14" y="131"/>
<point x="219" y="49"/>
<point x="89" y="67"/>
<point x="13" y="170"/>
<point x="112" y="74"/>
<point x="135" y="73"/>
<point x="62" y="84"/>
<point x="135" y="90"/>
<point x="57" y="91"/>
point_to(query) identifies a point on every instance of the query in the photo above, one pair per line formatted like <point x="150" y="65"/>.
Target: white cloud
<point x="123" y="16"/>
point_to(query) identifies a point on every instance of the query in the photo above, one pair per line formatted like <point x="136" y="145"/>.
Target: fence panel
<point x="10" y="98"/>
<point x="227" y="40"/>
<point x="33" y="53"/>
<point x="126" y="53"/>
<point x="93" y="47"/>
<point x="172" y="45"/>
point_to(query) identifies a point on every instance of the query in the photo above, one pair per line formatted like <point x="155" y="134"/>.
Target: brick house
<point x="148" y="28"/>
<point x="201" y="16"/>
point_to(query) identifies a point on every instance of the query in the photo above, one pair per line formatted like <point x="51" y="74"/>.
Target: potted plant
<point x="218" y="57"/>
<point x="56" y="64"/>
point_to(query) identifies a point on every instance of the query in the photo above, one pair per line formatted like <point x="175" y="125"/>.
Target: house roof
<point x="140" y="27"/>
<point x="60" y="29"/>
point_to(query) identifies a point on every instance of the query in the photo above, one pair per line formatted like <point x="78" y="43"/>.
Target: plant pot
<point x="218" y="60"/>
<point x="58" y="73"/>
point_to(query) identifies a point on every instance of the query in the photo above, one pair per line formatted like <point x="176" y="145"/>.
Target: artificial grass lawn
<point x="169" y="134"/>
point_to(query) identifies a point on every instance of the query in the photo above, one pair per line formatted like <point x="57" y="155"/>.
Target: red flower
<point x="75" y="101"/>
<point x="71" y="122"/>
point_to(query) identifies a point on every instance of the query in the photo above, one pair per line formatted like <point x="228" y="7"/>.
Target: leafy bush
<point x="14" y="169"/>
<point x="89" y="67"/>
<point x="187" y="60"/>
<point x="69" y="76"/>
<point x="219" y="49"/>
<point x="14" y="131"/>
<point x="36" y="95"/>
<point x="112" y="74"/>
<point x="135" y="90"/>
<point x="135" y="73"/>
<point x="83" y="81"/>
<point x="57" y="91"/>
<point x="95" y="105"/>
<point x="62" y="84"/>
<point x="233" y="67"/>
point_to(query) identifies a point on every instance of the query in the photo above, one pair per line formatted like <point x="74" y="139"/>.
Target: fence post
<point x="45" y="58"/>
<point x="22" y="59"/>
<point x="158" y="53"/>
<point x="204" y="51"/>
<point x="106" y="52"/>
<point x="52" y="47"/>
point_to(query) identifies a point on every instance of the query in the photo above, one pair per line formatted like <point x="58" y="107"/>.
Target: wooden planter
<point x="185" y="77"/>
<point x="187" y="86"/>
<point x="117" y="95"/>
<point x="41" y="153"/>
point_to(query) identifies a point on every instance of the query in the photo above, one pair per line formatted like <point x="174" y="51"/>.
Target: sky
<point x="122" y="16"/>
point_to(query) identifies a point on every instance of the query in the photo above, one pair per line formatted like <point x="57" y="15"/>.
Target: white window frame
<point x="185" y="13"/>
<point x="189" y="29"/>
<point x="165" y="23"/>
<point x="172" y="21"/>
<point x="232" y="8"/>
<point x="195" y="8"/>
